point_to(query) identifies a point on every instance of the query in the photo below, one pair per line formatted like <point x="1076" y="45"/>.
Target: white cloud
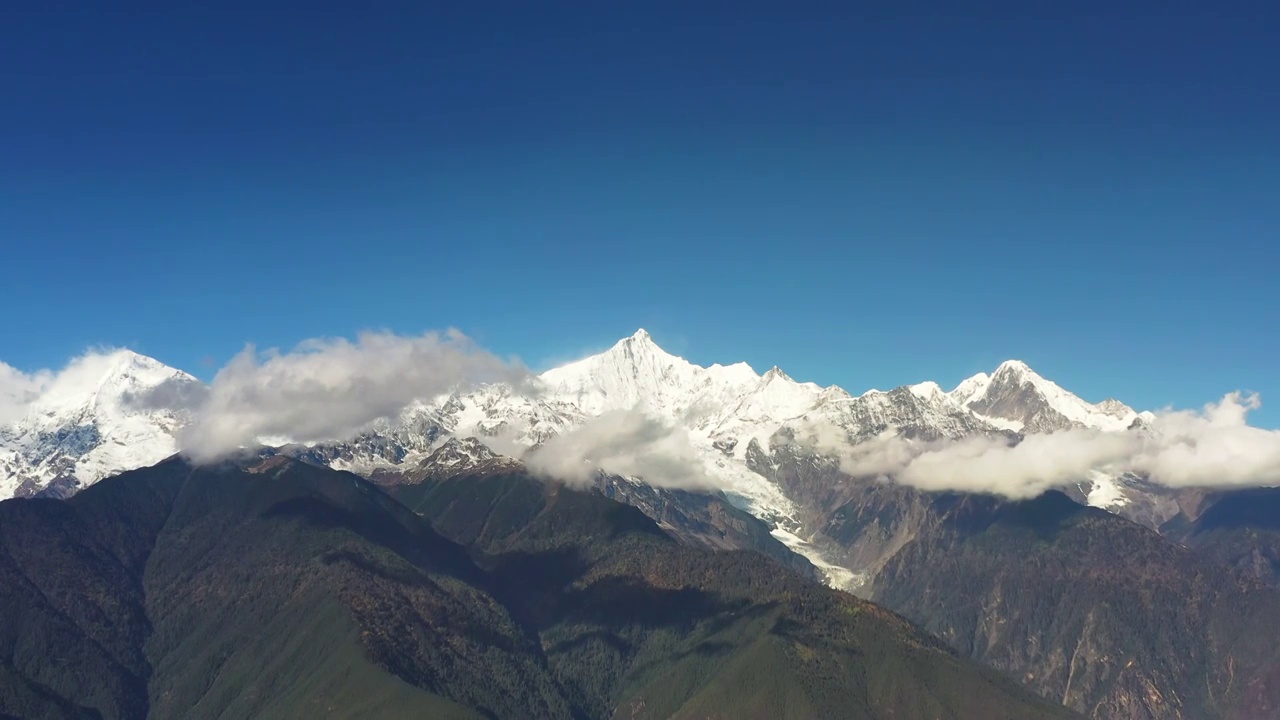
<point x="1213" y="447"/>
<point x="1023" y="470"/>
<point x="333" y="388"/>
<point x="622" y="443"/>
<point x="18" y="390"/>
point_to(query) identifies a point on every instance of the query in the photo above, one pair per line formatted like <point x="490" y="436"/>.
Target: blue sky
<point x="866" y="198"/>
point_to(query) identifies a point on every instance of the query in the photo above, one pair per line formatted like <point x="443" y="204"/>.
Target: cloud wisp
<point x="332" y="389"/>
<point x="1213" y="447"/>
<point x="18" y="390"/>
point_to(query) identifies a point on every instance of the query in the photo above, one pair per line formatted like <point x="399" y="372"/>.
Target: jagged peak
<point x="640" y="339"/>
<point x="636" y="348"/>
<point x="470" y="444"/>
<point x="459" y="452"/>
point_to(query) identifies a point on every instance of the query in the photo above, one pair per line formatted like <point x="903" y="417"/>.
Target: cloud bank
<point x="622" y="443"/>
<point x="333" y="388"/>
<point x="1213" y="447"/>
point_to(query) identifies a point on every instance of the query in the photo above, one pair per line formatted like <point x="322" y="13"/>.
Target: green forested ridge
<point x="631" y="619"/>
<point x="279" y="589"/>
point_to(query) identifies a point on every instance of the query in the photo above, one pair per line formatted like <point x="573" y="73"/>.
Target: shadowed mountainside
<point x="274" y="588"/>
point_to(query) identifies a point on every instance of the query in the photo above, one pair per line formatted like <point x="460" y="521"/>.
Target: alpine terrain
<point x="1112" y="595"/>
<point x="124" y="410"/>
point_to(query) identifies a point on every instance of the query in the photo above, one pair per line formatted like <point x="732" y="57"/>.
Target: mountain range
<point x="121" y="410"/>
<point x="1112" y="595"/>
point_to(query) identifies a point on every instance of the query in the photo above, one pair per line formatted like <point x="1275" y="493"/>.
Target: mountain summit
<point x="636" y="373"/>
<point x="1020" y="397"/>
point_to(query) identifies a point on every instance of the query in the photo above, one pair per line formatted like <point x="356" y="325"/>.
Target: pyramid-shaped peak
<point x="1115" y="408"/>
<point x="639" y="337"/>
<point x="775" y="372"/>
<point x="638" y="342"/>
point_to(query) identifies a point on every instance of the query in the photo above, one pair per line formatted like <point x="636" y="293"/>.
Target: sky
<point x="865" y="197"/>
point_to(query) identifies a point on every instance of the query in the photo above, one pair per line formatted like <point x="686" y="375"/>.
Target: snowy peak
<point x="735" y="375"/>
<point x="922" y="411"/>
<point x="635" y="371"/>
<point x="640" y="348"/>
<point x="103" y="379"/>
<point x="775" y="398"/>
<point x="637" y="374"/>
<point x="834" y="394"/>
<point x="970" y="388"/>
<point x="1115" y="408"/>
<point x="927" y="390"/>
<point x="1017" y="395"/>
<point x="775" y="373"/>
<point x="104" y="412"/>
<point x="1016" y="368"/>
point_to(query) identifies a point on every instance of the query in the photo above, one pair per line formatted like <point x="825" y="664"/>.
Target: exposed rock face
<point x="1088" y="608"/>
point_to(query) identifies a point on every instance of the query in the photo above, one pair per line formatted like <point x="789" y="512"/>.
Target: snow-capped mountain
<point x="121" y="410"/>
<point x="103" y="414"/>
<point x="1016" y="397"/>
